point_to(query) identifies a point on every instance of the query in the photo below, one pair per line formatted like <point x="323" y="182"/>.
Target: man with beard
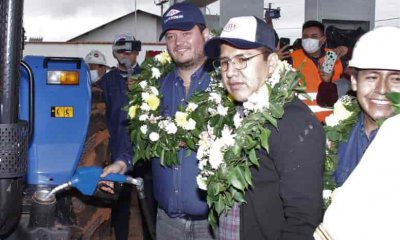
<point x="182" y="208"/>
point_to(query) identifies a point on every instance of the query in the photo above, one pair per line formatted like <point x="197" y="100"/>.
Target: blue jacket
<point x="175" y="188"/>
<point x="351" y="152"/>
<point x="115" y="96"/>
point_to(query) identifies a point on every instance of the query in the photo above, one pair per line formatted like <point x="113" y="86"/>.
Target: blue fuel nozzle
<point x="86" y="179"/>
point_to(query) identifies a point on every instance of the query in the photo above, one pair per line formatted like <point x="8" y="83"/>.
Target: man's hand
<point x="326" y="77"/>
<point x="341" y="51"/>
<point x="116" y="167"/>
<point x="283" y="53"/>
<point x="130" y="83"/>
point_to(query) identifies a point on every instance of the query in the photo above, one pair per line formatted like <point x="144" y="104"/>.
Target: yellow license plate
<point x="62" y="112"/>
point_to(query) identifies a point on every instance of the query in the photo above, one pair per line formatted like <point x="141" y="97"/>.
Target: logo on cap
<point x="96" y="55"/>
<point x="172" y="12"/>
<point x="229" y="27"/>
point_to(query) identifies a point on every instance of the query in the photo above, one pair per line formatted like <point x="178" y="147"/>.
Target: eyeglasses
<point x="239" y="62"/>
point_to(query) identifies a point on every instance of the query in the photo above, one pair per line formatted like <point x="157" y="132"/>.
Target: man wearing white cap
<point x="285" y="200"/>
<point x="97" y="65"/>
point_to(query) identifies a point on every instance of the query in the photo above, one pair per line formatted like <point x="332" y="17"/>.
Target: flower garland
<point x="227" y="146"/>
<point x="338" y="126"/>
<point x="151" y="134"/>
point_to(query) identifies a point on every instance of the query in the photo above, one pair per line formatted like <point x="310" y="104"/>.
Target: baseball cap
<point x="127" y="36"/>
<point x="181" y="16"/>
<point x="246" y="32"/>
<point x="126" y="42"/>
<point x="96" y="57"/>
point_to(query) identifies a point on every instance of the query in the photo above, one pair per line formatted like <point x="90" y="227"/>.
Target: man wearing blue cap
<point x="285" y="200"/>
<point x="183" y="210"/>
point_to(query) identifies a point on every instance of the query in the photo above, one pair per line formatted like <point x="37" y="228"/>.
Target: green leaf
<point x="253" y="158"/>
<point x="394" y="97"/>
<point x="190" y="143"/>
<point x="276" y="110"/>
<point x="237" y="178"/>
<point x="265" y="133"/>
<point x="212" y="220"/>
<point x="237" y="195"/>
<point x="247" y="174"/>
<point x="219" y="205"/>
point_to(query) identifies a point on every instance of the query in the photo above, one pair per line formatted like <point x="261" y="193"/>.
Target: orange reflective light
<point x="63" y="77"/>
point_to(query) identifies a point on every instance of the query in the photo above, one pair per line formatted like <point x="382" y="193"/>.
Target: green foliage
<point x="228" y="183"/>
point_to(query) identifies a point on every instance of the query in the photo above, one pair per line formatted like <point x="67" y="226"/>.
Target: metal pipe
<point x="10" y="56"/>
<point x="43" y="209"/>
<point x="13" y="144"/>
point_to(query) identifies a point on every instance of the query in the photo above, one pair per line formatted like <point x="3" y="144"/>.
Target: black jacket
<point x="286" y="200"/>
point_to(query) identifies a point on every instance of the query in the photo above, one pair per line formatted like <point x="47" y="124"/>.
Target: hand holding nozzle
<point x="86" y="179"/>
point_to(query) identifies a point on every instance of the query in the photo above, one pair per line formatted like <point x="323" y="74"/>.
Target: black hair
<point x="314" y="23"/>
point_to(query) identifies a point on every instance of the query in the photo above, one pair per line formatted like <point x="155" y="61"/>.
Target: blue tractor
<point x="45" y="106"/>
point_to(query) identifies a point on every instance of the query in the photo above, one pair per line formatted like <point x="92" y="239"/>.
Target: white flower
<point x="144" y="129"/>
<point x="171" y="128"/>
<point x="155" y="73"/>
<point x="204" y="138"/>
<point x="143" y="84"/>
<point x="212" y="111"/>
<point x="190" y="125"/>
<point x="153" y="119"/>
<point x="281" y="67"/>
<point x="163" y="58"/>
<point x="216" y="154"/>
<point x="154" y="136"/>
<point x="215" y="97"/>
<point x="163" y="124"/>
<point x="145" y="96"/>
<point x="237" y="120"/>
<point x="143" y="117"/>
<point x="331" y="120"/>
<point x="201" y="182"/>
<point x="227" y="137"/>
<point x="180" y="119"/>
<point x="326" y="194"/>
<point x="201" y="152"/>
<point x="145" y="107"/>
<point x="191" y="106"/>
<point x="223" y="111"/>
<point x="258" y="100"/>
<point x="154" y="90"/>
<point x="340" y="111"/>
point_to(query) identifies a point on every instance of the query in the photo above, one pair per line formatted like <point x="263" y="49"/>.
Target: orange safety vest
<point x="312" y="78"/>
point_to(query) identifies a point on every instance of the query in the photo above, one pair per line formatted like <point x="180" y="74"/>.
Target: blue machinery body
<point x="45" y="109"/>
<point x="58" y="137"/>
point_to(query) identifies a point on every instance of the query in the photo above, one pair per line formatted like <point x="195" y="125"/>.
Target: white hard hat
<point x="96" y="57"/>
<point x="378" y="49"/>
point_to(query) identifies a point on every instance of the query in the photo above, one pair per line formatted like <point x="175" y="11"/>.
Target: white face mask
<point x="310" y="45"/>
<point x="94" y="76"/>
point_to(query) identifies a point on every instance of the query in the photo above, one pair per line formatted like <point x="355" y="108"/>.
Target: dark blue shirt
<point x="351" y="152"/>
<point x="175" y="188"/>
<point x="115" y="89"/>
